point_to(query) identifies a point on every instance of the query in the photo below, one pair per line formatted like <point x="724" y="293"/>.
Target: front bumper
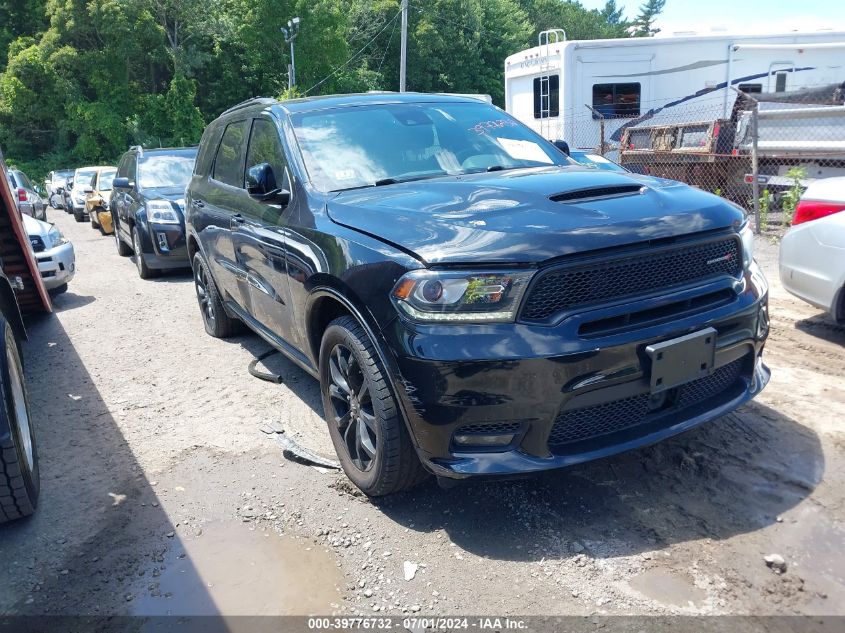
<point x="168" y="248"/>
<point x="567" y="399"/>
<point x="57" y="265"/>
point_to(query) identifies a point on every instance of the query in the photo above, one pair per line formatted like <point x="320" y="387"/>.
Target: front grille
<point x="37" y="243"/>
<point x="566" y="287"/>
<point x="586" y="423"/>
<point x="497" y="428"/>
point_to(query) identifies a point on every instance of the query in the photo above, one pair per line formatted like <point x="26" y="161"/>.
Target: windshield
<point x="172" y="170"/>
<point x="106" y="179"/>
<point x="364" y="146"/>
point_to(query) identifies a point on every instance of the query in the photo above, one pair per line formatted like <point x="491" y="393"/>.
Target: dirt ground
<point x="160" y="493"/>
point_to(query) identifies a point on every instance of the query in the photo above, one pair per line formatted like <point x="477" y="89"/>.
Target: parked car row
<point x="472" y="301"/>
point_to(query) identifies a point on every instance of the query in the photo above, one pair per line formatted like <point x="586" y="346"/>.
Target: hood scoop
<point x="598" y="193"/>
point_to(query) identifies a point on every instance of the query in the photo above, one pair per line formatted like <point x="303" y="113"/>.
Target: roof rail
<point x="249" y="102"/>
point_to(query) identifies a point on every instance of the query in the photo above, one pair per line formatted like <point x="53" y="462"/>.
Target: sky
<point x="740" y="16"/>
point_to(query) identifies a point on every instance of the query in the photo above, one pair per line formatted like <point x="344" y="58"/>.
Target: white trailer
<point x="572" y="89"/>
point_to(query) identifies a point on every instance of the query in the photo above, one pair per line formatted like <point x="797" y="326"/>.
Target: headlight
<point x="56" y="238"/>
<point x="467" y="297"/>
<point x="747" y="236"/>
<point x="161" y="212"/>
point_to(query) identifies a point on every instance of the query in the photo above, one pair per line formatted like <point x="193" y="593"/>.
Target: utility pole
<point x="290" y="34"/>
<point x="403" y="57"/>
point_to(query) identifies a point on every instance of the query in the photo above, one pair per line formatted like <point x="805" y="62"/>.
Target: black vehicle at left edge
<point x="473" y="302"/>
<point x="147" y="205"/>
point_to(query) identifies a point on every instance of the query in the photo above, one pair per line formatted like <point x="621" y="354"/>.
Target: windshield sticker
<point x="524" y="150"/>
<point x="344" y="174"/>
<point x="482" y="126"/>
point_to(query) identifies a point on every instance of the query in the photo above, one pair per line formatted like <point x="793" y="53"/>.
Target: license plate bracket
<point x="681" y="360"/>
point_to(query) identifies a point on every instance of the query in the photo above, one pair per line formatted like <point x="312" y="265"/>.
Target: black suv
<point x="147" y="204"/>
<point x="472" y="301"/>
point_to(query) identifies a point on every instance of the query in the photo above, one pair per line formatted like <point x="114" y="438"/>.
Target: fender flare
<point x="379" y="343"/>
<point x="11" y="311"/>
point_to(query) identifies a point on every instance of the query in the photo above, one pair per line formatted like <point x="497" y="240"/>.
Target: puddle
<point x="232" y="570"/>
<point x="667" y="588"/>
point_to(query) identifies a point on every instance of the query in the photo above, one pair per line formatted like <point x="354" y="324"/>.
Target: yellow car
<point x="97" y="203"/>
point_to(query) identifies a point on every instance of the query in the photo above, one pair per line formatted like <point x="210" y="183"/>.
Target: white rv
<point x="572" y="89"/>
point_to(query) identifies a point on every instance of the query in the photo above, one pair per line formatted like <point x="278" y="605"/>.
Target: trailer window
<point x="546" y="96"/>
<point x="616" y="100"/>
<point x="751" y="88"/>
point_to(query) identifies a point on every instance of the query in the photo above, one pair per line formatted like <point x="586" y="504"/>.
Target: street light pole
<point x="403" y="55"/>
<point x="290" y="34"/>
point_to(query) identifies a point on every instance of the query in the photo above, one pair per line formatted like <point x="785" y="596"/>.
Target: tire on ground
<point x="221" y="325"/>
<point x="396" y="466"/>
<point x="19" y="485"/>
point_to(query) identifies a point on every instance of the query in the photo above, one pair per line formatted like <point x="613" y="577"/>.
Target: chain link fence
<point x="759" y="150"/>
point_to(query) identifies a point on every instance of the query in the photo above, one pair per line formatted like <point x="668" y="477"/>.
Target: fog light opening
<point x="763" y="322"/>
<point x="483" y="441"/>
<point x="162" y="241"/>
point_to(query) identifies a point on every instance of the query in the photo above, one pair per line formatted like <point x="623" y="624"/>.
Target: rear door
<point x="221" y="198"/>
<point x="262" y="230"/>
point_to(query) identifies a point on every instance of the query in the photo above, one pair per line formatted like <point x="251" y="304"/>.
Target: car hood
<point x="173" y="194"/>
<point x="35" y="227"/>
<point x="514" y="217"/>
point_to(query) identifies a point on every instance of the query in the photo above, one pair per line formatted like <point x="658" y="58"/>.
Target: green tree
<point x="644" y="22"/>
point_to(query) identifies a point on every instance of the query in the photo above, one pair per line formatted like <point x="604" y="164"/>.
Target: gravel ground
<point x="161" y="495"/>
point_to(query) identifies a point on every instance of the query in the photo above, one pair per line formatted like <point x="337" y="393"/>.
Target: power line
<point x="348" y="61"/>
<point x="387" y="48"/>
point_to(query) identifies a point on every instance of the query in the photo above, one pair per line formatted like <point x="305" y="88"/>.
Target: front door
<point x="262" y="233"/>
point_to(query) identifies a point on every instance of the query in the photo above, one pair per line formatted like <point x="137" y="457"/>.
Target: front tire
<point x="217" y="323"/>
<point x="20" y="483"/>
<point x="365" y="425"/>
<point x="79" y="216"/>
<point x="122" y="249"/>
<point x="144" y="271"/>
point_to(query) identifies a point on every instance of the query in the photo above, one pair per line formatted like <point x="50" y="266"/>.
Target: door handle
<point x="236" y="221"/>
<point x="199" y="203"/>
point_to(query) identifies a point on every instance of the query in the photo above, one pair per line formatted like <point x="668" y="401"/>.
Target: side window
<point x="121" y="167"/>
<point x="266" y="147"/>
<point x="616" y="100"/>
<point x="546" y="96"/>
<point x="132" y="168"/>
<point x="229" y="162"/>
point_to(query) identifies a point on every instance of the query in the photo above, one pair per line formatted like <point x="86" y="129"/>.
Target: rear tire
<point x="217" y="323"/>
<point x="19" y="476"/>
<point x="366" y="427"/>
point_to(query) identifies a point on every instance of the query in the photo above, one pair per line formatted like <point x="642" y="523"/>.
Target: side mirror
<point x="70" y="184"/>
<point x="121" y="183"/>
<point x="261" y="185"/>
<point x="562" y="146"/>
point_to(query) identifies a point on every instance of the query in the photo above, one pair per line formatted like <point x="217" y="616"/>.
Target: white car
<point x="812" y="253"/>
<point x="53" y="252"/>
